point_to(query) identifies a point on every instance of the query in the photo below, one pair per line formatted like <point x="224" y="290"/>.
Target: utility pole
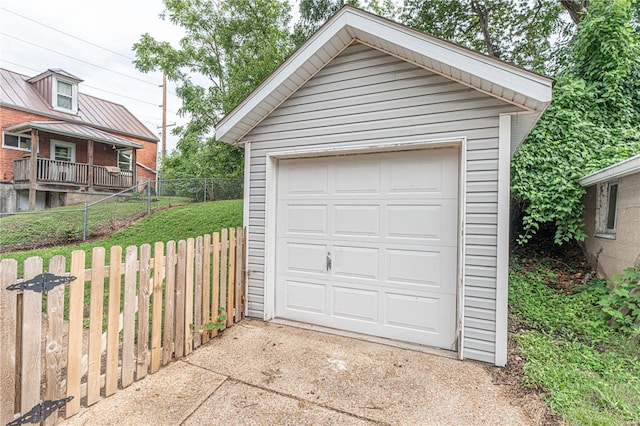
<point x="164" y="115"/>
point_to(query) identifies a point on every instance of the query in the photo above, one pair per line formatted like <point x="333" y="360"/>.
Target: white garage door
<point x="368" y="243"/>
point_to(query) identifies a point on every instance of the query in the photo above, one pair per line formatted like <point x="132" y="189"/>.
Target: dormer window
<point x="65" y="95"/>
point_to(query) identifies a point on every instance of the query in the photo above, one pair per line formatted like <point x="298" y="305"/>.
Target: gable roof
<point x="508" y="82"/>
<point x="624" y="168"/>
<point x="57" y="71"/>
<point x="17" y="92"/>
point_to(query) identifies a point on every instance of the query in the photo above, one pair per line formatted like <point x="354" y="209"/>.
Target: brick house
<point x="86" y="147"/>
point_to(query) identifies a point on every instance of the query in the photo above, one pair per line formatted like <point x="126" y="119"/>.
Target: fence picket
<point x="129" y="325"/>
<point x="181" y="277"/>
<point x="188" y="296"/>
<point x="231" y="292"/>
<point x="74" y="351"/>
<point x="197" y="294"/>
<point x="224" y="264"/>
<point x="215" y="281"/>
<point x="95" y="324"/>
<point x="8" y="324"/>
<point x="206" y="285"/>
<point x="143" y="311"/>
<point x="156" y="325"/>
<point x="54" y="343"/>
<point x="31" y="338"/>
<point x="169" y="303"/>
<point x="113" y="321"/>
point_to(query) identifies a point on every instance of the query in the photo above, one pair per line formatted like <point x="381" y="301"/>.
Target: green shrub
<point x="621" y="303"/>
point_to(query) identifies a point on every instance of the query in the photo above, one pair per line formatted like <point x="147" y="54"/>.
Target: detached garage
<point x="377" y="166"/>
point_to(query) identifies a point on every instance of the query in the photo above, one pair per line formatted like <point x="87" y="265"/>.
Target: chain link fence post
<point x="85" y="220"/>
<point x="149" y="196"/>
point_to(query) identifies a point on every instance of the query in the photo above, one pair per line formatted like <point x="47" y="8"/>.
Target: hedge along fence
<point x="141" y="315"/>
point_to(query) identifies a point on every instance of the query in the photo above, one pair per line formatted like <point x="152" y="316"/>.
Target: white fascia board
<point x="288" y="68"/>
<point x="626" y="167"/>
<point x="499" y="73"/>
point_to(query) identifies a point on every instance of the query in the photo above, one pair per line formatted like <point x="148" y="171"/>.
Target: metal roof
<point x="515" y="85"/>
<point x="16" y="92"/>
<point x="624" y="168"/>
<point x="73" y="130"/>
<point x="58" y="71"/>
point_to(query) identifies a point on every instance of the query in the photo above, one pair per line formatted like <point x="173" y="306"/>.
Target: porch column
<point x="134" y="167"/>
<point x="90" y="160"/>
<point x="33" y="169"/>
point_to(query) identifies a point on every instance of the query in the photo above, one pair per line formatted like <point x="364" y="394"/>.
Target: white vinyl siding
<point x="365" y="97"/>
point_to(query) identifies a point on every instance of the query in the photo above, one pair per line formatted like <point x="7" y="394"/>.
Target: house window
<point x="607" y="207"/>
<point x="15" y="141"/>
<point x="63" y="151"/>
<point x="124" y="160"/>
<point x="65" y="95"/>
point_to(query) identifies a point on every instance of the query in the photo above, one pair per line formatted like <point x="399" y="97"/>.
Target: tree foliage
<point x="228" y="49"/>
<point x="593" y="122"/>
<point x="518" y="31"/>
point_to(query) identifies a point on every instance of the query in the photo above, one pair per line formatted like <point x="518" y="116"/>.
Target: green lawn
<point x="590" y="372"/>
<point x="176" y="223"/>
<point x="64" y="224"/>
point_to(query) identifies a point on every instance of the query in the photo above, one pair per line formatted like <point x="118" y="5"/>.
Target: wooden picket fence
<point x="153" y="310"/>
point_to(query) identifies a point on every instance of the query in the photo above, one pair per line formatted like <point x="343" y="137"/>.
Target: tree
<point x="593" y="122"/>
<point x="518" y="31"/>
<point x="231" y="47"/>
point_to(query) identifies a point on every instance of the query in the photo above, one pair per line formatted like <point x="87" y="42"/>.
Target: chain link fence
<point x="27" y="230"/>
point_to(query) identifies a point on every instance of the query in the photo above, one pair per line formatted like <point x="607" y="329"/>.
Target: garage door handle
<point x="328" y="261"/>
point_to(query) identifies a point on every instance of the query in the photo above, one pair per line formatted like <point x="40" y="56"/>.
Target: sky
<point x="37" y="43"/>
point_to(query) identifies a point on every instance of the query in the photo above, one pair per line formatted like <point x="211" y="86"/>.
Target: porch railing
<point x="65" y="172"/>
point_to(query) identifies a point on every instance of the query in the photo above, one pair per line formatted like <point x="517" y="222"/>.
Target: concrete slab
<point x="238" y="403"/>
<point x="164" y="398"/>
<point x="369" y="380"/>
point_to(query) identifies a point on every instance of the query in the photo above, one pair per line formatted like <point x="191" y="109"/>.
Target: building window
<point x="15" y="141"/>
<point x="125" y="160"/>
<point x="65" y="95"/>
<point x="607" y="208"/>
<point x="63" y="151"/>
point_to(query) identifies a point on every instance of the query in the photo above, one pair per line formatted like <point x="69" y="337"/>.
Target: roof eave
<point x="17" y="128"/>
<point x="623" y="168"/>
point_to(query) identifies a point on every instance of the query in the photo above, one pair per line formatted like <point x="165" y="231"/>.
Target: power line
<point x="67" y="34"/>
<point x="79" y="60"/>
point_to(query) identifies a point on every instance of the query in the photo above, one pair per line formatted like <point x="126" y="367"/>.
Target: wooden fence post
<point x="188" y="298"/>
<point x="231" y="290"/>
<point x="197" y="294"/>
<point x="206" y="285"/>
<point x="215" y="281"/>
<point x="95" y="324"/>
<point x="224" y="265"/>
<point x="31" y="338"/>
<point x="181" y="278"/>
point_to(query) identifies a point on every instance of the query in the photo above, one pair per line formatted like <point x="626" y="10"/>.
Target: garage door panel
<point x="305" y="297"/>
<point x="303" y="219"/>
<point x="356" y="220"/>
<point x="430" y="270"/>
<point x="355" y="304"/>
<point x="432" y="222"/>
<point x="303" y="179"/>
<point x="357" y="178"/>
<point x="355" y="262"/>
<point x="306" y="258"/>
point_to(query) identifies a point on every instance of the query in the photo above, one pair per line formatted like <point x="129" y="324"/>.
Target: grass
<point x="177" y="223"/>
<point x="64" y="224"/>
<point x="590" y="372"/>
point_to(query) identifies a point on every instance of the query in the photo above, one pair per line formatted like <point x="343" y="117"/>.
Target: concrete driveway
<point x="260" y="373"/>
